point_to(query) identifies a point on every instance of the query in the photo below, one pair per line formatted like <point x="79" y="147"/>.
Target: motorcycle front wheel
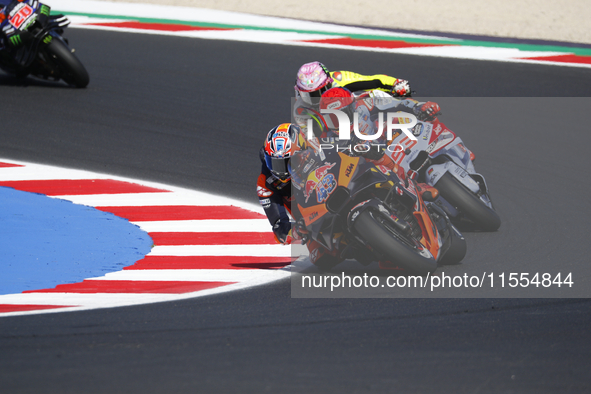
<point x="396" y="248"/>
<point x="470" y="206"/>
<point x="72" y="70"/>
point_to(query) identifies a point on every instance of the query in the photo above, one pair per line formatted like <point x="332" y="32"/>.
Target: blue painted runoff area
<point x="46" y="241"/>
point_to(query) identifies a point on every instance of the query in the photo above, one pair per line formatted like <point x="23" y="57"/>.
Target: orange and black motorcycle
<point x="357" y="210"/>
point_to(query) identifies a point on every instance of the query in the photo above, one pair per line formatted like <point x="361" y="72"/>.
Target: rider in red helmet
<point x="374" y="151"/>
<point x="343" y="100"/>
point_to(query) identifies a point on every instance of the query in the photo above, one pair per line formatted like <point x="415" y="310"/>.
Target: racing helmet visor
<point x="278" y="166"/>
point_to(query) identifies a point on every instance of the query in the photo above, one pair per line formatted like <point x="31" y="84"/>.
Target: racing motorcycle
<point x="439" y="158"/>
<point x="34" y="44"/>
<point x="357" y="210"/>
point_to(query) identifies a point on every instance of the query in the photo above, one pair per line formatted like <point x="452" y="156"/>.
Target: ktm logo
<point x="349" y="170"/>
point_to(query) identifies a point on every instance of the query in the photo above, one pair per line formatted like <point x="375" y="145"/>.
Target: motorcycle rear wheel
<point x="392" y="245"/>
<point x="468" y="203"/>
<point x="72" y="70"/>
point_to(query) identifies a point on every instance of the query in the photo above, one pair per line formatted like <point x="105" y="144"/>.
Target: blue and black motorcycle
<point x="33" y="44"/>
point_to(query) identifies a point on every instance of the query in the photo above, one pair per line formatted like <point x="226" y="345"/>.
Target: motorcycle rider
<point x="274" y="182"/>
<point x="343" y="100"/>
<point x="313" y="79"/>
<point x="366" y="106"/>
<point x="274" y="189"/>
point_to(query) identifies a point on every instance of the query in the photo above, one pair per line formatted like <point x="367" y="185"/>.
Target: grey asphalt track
<point x="193" y="113"/>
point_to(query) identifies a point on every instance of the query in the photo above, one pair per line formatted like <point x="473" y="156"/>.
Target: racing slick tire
<point x="392" y="245"/>
<point x="466" y="202"/>
<point x="72" y="70"/>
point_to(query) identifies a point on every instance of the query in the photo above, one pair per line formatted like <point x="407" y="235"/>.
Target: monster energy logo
<point x="15" y="40"/>
<point x="47" y="39"/>
<point x="44" y="10"/>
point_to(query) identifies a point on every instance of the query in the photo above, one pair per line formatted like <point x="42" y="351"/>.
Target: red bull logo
<point x="315" y="178"/>
<point x="310" y="186"/>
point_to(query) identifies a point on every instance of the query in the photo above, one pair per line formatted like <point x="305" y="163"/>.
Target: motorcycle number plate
<point x="20" y="15"/>
<point x="400" y="148"/>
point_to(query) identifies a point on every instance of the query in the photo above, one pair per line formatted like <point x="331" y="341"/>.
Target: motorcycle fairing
<point x="436" y="171"/>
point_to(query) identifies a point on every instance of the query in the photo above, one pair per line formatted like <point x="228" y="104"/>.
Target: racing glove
<point x="401" y="88"/>
<point x="300" y="233"/>
<point x="426" y="111"/>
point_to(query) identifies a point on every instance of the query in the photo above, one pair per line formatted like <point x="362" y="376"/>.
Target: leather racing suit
<point x="275" y="197"/>
<point x="357" y="82"/>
